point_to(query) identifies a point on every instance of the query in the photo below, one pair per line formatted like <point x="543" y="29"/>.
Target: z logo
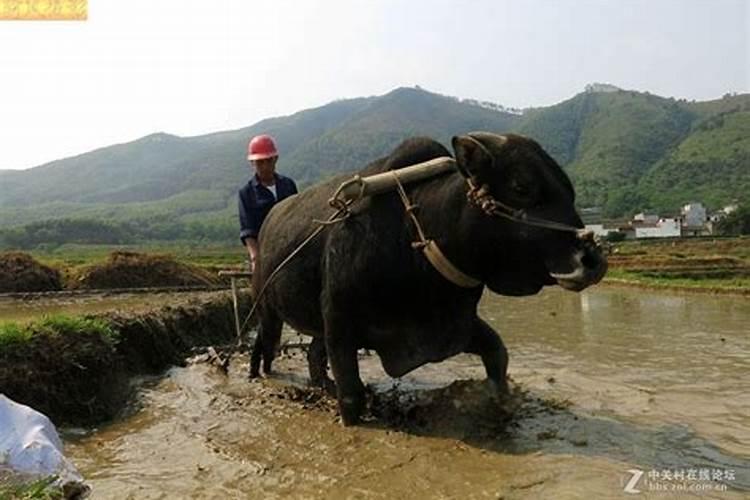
<point x="630" y="487"/>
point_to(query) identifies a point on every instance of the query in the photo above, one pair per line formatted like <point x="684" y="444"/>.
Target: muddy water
<point x="605" y="382"/>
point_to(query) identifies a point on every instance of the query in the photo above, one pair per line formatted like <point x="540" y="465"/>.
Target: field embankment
<point x="716" y="265"/>
<point x="76" y="369"/>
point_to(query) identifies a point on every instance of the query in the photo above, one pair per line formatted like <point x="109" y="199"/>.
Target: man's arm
<point x="251" y="244"/>
<point x="249" y="226"/>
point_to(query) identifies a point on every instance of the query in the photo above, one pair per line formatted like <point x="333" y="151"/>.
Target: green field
<point x="701" y="264"/>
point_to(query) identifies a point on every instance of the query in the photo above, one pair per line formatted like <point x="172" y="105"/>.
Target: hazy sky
<point x="191" y="67"/>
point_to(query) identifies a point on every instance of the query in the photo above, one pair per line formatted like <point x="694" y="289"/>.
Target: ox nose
<point x="588" y="264"/>
<point x="592" y="260"/>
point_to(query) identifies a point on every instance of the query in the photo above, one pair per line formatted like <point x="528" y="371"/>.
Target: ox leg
<point x="266" y="340"/>
<point x="255" y="355"/>
<point x="487" y="343"/>
<point x="342" y="354"/>
<point x="317" y="362"/>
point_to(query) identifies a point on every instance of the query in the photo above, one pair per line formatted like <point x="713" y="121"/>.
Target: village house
<point x="668" y="227"/>
<point x="693" y="220"/>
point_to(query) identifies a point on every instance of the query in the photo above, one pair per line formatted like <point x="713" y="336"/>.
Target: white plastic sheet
<point x="30" y="445"/>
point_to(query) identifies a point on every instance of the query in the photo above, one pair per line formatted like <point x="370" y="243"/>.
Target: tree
<point x="736" y="223"/>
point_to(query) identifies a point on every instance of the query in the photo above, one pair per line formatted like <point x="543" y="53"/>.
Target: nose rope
<point x="480" y="197"/>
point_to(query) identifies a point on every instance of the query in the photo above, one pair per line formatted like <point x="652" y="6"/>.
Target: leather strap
<point x="430" y="249"/>
<point x="445" y="267"/>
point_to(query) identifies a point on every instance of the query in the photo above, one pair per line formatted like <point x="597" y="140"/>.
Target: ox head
<point x="516" y="258"/>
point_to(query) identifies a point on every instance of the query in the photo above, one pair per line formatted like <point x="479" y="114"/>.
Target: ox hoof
<point x="498" y="390"/>
<point x="328" y="385"/>
<point x="253" y="373"/>
<point x="351" y="409"/>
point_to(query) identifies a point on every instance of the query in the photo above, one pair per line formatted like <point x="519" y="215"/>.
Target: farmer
<point x="262" y="192"/>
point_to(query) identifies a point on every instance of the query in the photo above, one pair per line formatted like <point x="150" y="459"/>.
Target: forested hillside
<point x="625" y="151"/>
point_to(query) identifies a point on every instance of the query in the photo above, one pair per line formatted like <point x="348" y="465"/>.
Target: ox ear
<point x="471" y="155"/>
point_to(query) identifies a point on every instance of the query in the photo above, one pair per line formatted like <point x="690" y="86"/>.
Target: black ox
<point x="361" y="284"/>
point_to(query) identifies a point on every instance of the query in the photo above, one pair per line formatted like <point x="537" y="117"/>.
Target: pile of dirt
<point x="137" y="270"/>
<point x="20" y="272"/>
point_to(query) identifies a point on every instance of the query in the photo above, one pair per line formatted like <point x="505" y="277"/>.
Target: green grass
<point x="42" y="489"/>
<point x="13" y="333"/>
<point x="61" y="324"/>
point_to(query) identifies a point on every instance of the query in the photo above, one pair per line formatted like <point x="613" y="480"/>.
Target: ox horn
<point x="471" y="155"/>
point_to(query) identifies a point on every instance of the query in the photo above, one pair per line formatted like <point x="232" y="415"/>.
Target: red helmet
<point x="261" y="147"/>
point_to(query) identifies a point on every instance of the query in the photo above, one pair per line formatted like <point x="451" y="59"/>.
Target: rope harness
<point x="480" y="197"/>
<point x="429" y="248"/>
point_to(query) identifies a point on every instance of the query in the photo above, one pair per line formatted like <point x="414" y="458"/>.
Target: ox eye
<point x="520" y="189"/>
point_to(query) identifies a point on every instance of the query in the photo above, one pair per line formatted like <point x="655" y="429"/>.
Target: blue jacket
<point x="256" y="200"/>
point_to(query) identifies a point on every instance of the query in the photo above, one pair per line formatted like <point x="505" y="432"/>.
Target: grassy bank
<point x="49" y="328"/>
<point x="63" y="366"/>
<point x="720" y="265"/>
<point x="76" y="370"/>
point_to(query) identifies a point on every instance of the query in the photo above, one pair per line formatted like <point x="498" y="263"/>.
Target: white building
<point x="664" y="228"/>
<point x="598" y="229"/>
<point x="730" y="208"/>
<point x="646" y="218"/>
<point x="694" y="215"/>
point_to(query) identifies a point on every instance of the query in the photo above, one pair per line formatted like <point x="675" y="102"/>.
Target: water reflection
<point x="659" y="357"/>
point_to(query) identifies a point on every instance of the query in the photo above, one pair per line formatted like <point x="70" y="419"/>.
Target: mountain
<point x="382" y="123"/>
<point x="711" y="164"/>
<point x="628" y="150"/>
<point x="189" y="179"/>
<point x="624" y="150"/>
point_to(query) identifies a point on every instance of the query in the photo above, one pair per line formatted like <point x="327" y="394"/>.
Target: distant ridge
<point x="625" y="151"/>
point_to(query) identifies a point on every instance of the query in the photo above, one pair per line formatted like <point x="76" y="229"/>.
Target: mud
<point x="19" y="272"/>
<point x="604" y="382"/>
<point x="137" y="270"/>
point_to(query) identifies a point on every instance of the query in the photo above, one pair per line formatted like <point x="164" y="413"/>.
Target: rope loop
<point x="480" y="197"/>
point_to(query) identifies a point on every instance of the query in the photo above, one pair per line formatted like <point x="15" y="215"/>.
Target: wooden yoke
<point x="358" y="187"/>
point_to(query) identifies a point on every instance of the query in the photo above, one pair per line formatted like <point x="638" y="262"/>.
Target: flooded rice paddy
<point x="614" y="389"/>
